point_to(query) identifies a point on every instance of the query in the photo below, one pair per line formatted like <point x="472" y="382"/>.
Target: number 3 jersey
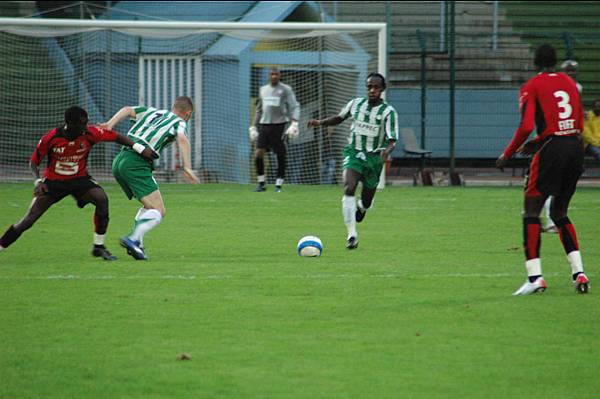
<point x="67" y="159"/>
<point x="550" y="102"/>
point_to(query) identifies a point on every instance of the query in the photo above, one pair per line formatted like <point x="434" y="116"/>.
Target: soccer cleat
<point x="539" y="285"/>
<point x="360" y="214"/>
<point x="277" y="189"/>
<point x="260" y="188"/>
<point x="582" y="284"/>
<point x="133" y="248"/>
<point x="101" y="251"/>
<point x="352" y="243"/>
<point x="551" y="229"/>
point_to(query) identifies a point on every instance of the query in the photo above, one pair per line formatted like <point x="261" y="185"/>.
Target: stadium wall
<point x="485" y="120"/>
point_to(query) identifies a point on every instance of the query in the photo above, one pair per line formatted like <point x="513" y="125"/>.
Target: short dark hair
<point x="75" y="114"/>
<point x="545" y="56"/>
<point x="377" y="75"/>
<point x="183" y="104"/>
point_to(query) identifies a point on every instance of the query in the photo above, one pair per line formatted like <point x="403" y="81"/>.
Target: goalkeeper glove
<point x="253" y="133"/>
<point x="293" y="131"/>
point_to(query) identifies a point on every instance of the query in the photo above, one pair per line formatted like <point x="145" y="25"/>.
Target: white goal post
<point x="102" y="65"/>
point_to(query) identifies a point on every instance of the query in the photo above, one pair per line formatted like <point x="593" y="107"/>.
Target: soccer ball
<point x="310" y="246"/>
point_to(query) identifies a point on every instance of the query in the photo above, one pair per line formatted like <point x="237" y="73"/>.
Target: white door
<point x="161" y="80"/>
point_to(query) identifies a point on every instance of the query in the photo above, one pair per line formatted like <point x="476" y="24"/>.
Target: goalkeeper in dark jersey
<point x="67" y="148"/>
<point x="276" y="107"/>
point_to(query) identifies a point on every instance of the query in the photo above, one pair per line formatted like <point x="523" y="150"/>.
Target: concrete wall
<point x="485" y="120"/>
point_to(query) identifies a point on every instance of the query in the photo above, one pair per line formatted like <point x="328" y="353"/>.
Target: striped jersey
<point x="372" y="126"/>
<point x="156" y="128"/>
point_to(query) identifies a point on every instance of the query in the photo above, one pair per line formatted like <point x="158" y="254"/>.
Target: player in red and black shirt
<point x="67" y="149"/>
<point x="549" y="101"/>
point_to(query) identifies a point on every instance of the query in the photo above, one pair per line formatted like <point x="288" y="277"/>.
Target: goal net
<point x="49" y="65"/>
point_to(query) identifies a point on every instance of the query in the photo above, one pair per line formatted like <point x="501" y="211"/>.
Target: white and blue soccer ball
<point x="310" y="246"/>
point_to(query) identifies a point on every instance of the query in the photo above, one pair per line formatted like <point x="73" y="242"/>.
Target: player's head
<point x="596" y="107"/>
<point x="375" y="86"/>
<point x="545" y="57"/>
<point x="570" y="67"/>
<point x="76" y="121"/>
<point x="274" y="75"/>
<point x="183" y="107"/>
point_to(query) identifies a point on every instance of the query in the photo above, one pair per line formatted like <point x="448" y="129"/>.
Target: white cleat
<point x="538" y="285"/>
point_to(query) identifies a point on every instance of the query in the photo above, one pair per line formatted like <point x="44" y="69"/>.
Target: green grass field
<point x="422" y="309"/>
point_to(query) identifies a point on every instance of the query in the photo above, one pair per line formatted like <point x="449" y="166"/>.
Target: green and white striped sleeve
<point x="182" y="128"/>
<point x="140" y="110"/>
<point x="346" y="111"/>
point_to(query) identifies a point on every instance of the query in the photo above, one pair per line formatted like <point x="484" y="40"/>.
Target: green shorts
<point x="134" y="174"/>
<point x="368" y="164"/>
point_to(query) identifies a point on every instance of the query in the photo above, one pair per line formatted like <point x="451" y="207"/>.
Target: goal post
<point x="102" y="65"/>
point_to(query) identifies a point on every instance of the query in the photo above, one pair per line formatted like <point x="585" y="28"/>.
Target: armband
<point x="139" y="148"/>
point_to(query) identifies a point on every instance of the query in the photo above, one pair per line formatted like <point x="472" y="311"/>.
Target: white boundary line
<point x="273" y="277"/>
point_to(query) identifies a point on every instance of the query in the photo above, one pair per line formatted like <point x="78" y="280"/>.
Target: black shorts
<point x="77" y="187"/>
<point x="556" y="167"/>
<point x="270" y="136"/>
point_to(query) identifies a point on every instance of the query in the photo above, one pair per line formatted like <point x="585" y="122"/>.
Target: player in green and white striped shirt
<point x="155" y="129"/>
<point x="373" y="135"/>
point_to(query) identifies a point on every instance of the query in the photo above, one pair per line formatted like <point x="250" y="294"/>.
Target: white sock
<point x="279" y="181"/>
<point x="534" y="267"/>
<point x="98" y="239"/>
<point x="149" y="219"/>
<point x="260" y="178"/>
<point x="141" y="211"/>
<point x="349" y="213"/>
<point x="138" y="216"/>
<point x="574" y="258"/>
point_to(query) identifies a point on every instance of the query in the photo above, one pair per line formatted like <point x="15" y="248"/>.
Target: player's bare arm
<point x="388" y="150"/>
<point x="333" y="121"/>
<point x="39" y="186"/>
<point x="123" y="113"/>
<point x="185" y="151"/>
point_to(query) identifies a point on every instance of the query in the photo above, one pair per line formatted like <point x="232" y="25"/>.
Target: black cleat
<point x="360" y="214"/>
<point x="101" y="251"/>
<point x="582" y="284"/>
<point x="352" y="243"/>
<point x="260" y="188"/>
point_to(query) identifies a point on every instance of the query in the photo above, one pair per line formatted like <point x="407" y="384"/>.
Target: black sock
<point x="260" y="166"/>
<point x="533" y="278"/>
<point x="9" y="237"/>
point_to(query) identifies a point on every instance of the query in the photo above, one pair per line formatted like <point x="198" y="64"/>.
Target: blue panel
<point x="263" y="11"/>
<point x="123" y="43"/>
<point x="179" y="10"/>
<point x="485" y="120"/>
<point x="224" y="121"/>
